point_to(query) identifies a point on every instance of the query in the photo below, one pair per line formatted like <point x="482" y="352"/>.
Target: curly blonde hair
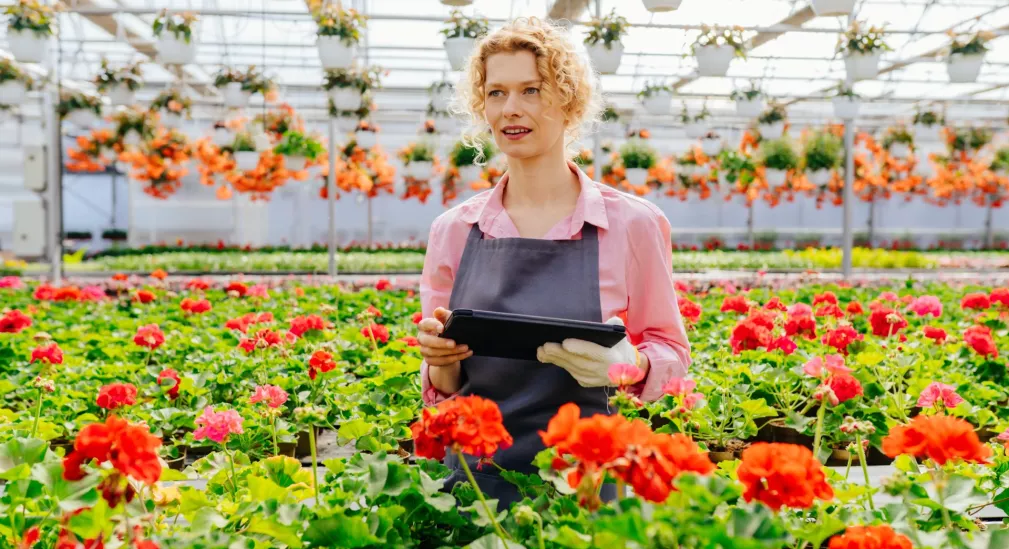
<point x="567" y="78"/>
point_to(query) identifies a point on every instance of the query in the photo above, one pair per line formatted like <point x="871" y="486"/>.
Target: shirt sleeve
<point x="436" y="281"/>
<point x="653" y="314"/>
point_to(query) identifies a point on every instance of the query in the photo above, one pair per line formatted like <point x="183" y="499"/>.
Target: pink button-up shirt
<point x="635" y="270"/>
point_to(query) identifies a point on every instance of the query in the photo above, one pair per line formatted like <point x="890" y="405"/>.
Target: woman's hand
<point x="437" y="351"/>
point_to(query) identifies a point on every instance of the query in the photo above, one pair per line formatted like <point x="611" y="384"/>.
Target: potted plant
<point x="750" y="102"/>
<point x="172" y="106"/>
<point x="846" y="103"/>
<point x="966" y="55"/>
<point x="297" y="149"/>
<point x="120" y="84"/>
<point x="418" y="159"/>
<point x="461" y="33"/>
<point x="1000" y="164"/>
<point x="711" y="144"/>
<point x="346" y="120"/>
<point x="715" y="49"/>
<point x="243" y="150"/>
<point x="695" y="126"/>
<point x="688" y="165"/>
<point x="823" y="154"/>
<point x="339" y="30"/>
<point x="29" y="26"/>
<point x="366" y="134"/>
<point x="778" y="156"/>
<point x="132" y="126"/>
<point x="347" y="87"/>
<point x="441" y="94"/>
<point x="898" y="142"/>
<point x="603" y="41"/>
<point x="862" y="49"/>
<point x="659" y="6"/>
<point x="829" y="8"/>
<point x="611" y="120"/>
<point x="771" y="123"/>
<point x="469" y="158"/>
<point x="927" y="126"/>
<point x="79" y="109"/>
<point x="656" y="98"/>
<point x="972" y="139"/>
<point x="176" y="42"/>
<point x="14" y="83"/>
<point x="238" y="86"/>
<point x="114" y="235"/>
<point x="637" y="157"/>
<point x="221" y="135"/>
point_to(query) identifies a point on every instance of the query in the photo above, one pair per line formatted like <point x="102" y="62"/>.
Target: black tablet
<point x="506" y="335"/>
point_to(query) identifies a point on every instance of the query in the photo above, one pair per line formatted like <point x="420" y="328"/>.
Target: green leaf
<point x="268" y="527"/>
<point x="1002" y="501"/>
<point x="628" y="526"/>
<point x="21" y="451"/>
<point x="171" y="475"/>
<point x="960" y="493"/>
<point x="493" y="541"/>
<point x="191" y="500"/>
<point x="354" y="428"/>
<point x="90" y="523"/>
<point x="206" y="520"/>
<point x="568" y="537"/>
<point x="263" y="489"/>
<point x="339" y="531"/>
<point x="479" y="512"/>
<point x="869" y="358"/>
<point x="756" y="408"/>
<point x="6" y="386"/>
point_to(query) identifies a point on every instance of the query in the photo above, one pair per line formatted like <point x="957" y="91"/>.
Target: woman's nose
<point x="511" y="106"/>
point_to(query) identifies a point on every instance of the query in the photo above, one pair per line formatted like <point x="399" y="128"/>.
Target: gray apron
<point x="553" y="278"/>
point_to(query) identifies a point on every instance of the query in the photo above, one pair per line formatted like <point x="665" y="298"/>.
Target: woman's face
<point x="522" y="122"/>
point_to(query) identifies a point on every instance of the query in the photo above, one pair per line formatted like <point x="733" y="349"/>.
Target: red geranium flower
<point x="782" y="475"/>
<point x="689" y="310"/>
<point x="1000" y="296"/>
<point x="752" y="332"/>
<point x="977" y="301"/>
<point x="14" y="321"/>
<point x="940" y="438"/>
<point x="469" y="424"/>
<point x="197" y="284"/>
<point x="410" y="341"/>
<point x="159" y="274"/>
<point x="886" y="322"/>
<point x="263" y="339"/>
<point x="775" y="304"/>
<point x="144" y="296"/>
<point x="854" y="308"/>
<point x="841" y="337"/>
<point x="840" y="388"/>
<point x="48" y="353"/>
<point x="131" y="449"/>
<point x="825" y="297"/>
<point x="237" y="287"/>
<point x="195" y="306"/>
<point x="169" y="373"/>
<point x="302" y="324"/>
<point x="383" y="285"/>
<point x="936" y="334"/>
<point x="149" y="336"/>
<point x="803" y="326"/>
<point x="116" y="395"/>
<point x="378" y="331"/>
<point x="830" y="309"/>
<point x="870" y="537"/>
<point x="783" y="344"/>
<point x="417" y="317"/>
<point x="980" y="339"/>
<point x="243" y="322"/>
<point x="320" y="362"/>
<point x="736" y="303"/>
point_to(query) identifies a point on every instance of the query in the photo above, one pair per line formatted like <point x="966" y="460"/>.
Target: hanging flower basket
<point x="458" y="50"/>
<point x="120" y="95"/>
<point x="235" y="97"/>
<point x="27" y="46"/>
<point x="246" y="160"/>
<point x="658" y="102"/>
<point x="696" y="129"/>
<point x="927" y="133"/>
<point x="420" y="170"/>
<point x="714" y="60"/>
<point x="366" y="139"/>
<point x="924" y="168"/>
<point x="82" y="118"/>
<point x="862" y="66"/>
<point x="334" y="53"/>
<point x="964" y="69"/>
<point x="13" y="92"/>
<point x="295" y="163"/>
<point x="222" y="137"/>
<point x="457" y="3"/>
<point x="636" y="176"/>
<point x="750" y="108"/>
<point x="846" y="107"/>
<point x="175" y="50"/>
<point x="171" y="119"/>
<point x="711" y="146"/>
<point x="774" y="177"/>
<point x="346" y="99"/>
<point x="605" y="60"/>
<point x="469" y="174"/>
<point x="772" y="131"/>
<point x="819" y="177"/>
<point x="659" y="6"/>
<point x="829" y="8"/>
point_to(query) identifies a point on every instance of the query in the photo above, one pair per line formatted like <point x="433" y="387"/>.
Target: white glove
<point x="588" y="362"/>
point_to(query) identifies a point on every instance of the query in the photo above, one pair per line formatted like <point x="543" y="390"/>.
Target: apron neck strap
<point x="589" y="233"/>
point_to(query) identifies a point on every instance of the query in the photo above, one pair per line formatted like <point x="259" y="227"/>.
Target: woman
<point x="546" y="241"/>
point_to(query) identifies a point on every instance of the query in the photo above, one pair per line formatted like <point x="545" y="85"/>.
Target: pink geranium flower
<point x="623" y="375"/>
<point x="800" y="309"/>
<point x="218" y="426"/>
<point x="678" y="386"/>
<point x="939" y="392"/>
<point x="926" y="305"/>
<point x="834" y="366"/>
<point x="274" y="396"/>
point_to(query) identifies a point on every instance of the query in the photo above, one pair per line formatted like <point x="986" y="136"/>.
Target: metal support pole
<point x="370" y="223"/>
<point x="872" y="220"/>
<point x="54" y="186"/>
<point x="331" y="198"/>
<point x="597" y="165"/>
<point x="750" y="236"/>
<point x="847" y="240"/>
<point x="988" y="232"/>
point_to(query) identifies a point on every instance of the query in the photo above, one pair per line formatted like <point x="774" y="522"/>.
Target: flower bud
<point x="524" y="515"/>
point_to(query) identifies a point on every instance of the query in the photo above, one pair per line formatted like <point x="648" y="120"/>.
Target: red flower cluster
<point x="45" y="292"/>
<point x="936" y="334"/>
<point x="116" y="395"/>
<point x="783" y="344"/>
<point x="628" y="450"/>
<point x="753" y="332"/>
<point x="417" y="317"/>
<point x="886" y="322"/>
<point x="149" y="336"/>
<point x="841" y="337"/>
<point x="320" y="362"/>
<point x="470" y="424"/>
<point x="131" y="449"/>
<point x="782" y="475"/>
<point x="263" y="339"/>
<point x="689" y="310"/>
<point x="976" y="301"/>
<point x="870" y="537"/>
<point x="831" y="310"/>
<point x="159" y="274"/>
<point x="854" y="308"/>
<point x="383" y="285"/>
<point x="50" y="354"/>
<point x="1000" y="296"/>
<point x="843" y="387"/>
<point x="302" y="324"/>
<point x="736" y="304"/>
<point x="236" y="287"/>
<point x="826" y="297"/>
<point x="195" y="306"/>
<point x="243" y="322"/>
<point x="14" y="321"/>
<point x="169" y="373"/>
<point x="980" y="339"/>
<point x="197" y="284"/>
<point x="801" y="325"/>
<point x="144" y="296"/>
<point x="775" y="304"/>
<point x="940" y="438"/>
<point x="379" y="331"/>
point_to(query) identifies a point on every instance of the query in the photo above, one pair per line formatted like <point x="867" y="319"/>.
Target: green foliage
<point x="243" y="143"/>
<point x="971" y="138"/>
<point x="363" y="79"/>
<point x="610" y="113"/>
<point x="824" y="151"/>
<point x="859" y="40"/>
<point x="897" y="134"/>
<point x="295" y="143"/>
<point x="636" y="153"/>
<point x="468" y="155"/>
<point x="775" y="112"/>
<point x="779" y="154"/>
<point x="346" y="24"/>
<point x="1001" y="161"/>
<point x="973" y="44"/>
<point x="608" y="30"/>
<point x="928" y="118"/>
<point x="749" y="94"/>
<point x="30" y="15"/>
<point x="179" y="25"/>
<point x="251" y="79"/>
<point x="653" y="88"/>
<point x="9" y="70"/>
<point x="70" y="101"/>
<point x="460" y="25"/>
<point x="721" y="36"/>
<point x="128" y="75"/>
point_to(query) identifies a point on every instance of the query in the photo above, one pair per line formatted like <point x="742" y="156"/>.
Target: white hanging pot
<point x="658" y="103"/>
<point x="924" y="168"/>
<point x="927" y="134"/>
<point x="827" y="8"/>
<point x="175" y="51"/>
<point x="458" y="50"/>
<point x="846" y="108"/>
<point x="82" y="118"/>
<point x="900" y="151"/>
<point x="819" y="177"/>
<point x="458" y="3"/>
<point x="469" y="174"/>
<point x="689" y="170"/>
<point x="223" y="137"/>
<point x="12" y="92"/>
<point x="420" y="170"/>
<point x="714" y="60"/>
<point x="862" y="66"/>
<point x="366" y="140"/>
<point x="696" y="130"/>
<point x="606" y="60"/>
<point x="27" y="46"/>
<point x="334" y="53"/>
<point x="235" y="97"/>
<point x="120" y="95"/>
<point x="295" y="163"/>
<point x="658" y="6"/>
<point x="750" y="108"/>
<point x="346" y="99"/>
<point x="775" y="178"/>
<point x="441" y="99"/>
<point x="636" y="176"/>
<point x="171" y="119"/>
<point x="711" y="146"/>
<point x="964" y="69"/>
<point x="772" y="131"/>
<point x="246" y="160"/>
<point x="132" y="138"/>
<point x="345" y="124"/>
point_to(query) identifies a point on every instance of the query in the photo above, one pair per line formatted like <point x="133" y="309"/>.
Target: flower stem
<point x="819" y="427"/>
<point x="38" y="414"/>
<point x="847" y="468"/>
<point x="479" y="494"/>
<point x="539" y="531"/>
<point x="940" y="484"/>
<point x="234" y="477"/>
<point x="273" y="429"/>
<point x="865" y="470"/>
<point x="315" y="466"/>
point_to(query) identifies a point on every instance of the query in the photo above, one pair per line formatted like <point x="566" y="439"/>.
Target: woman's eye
<point x="495" y="93"/>
<point x="532" y="91"/>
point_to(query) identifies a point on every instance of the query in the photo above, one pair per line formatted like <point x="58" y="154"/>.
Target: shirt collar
<point x="590" y="208"/>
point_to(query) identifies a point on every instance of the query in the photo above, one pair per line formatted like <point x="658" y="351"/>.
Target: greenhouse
<point x="571" y="274"/>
